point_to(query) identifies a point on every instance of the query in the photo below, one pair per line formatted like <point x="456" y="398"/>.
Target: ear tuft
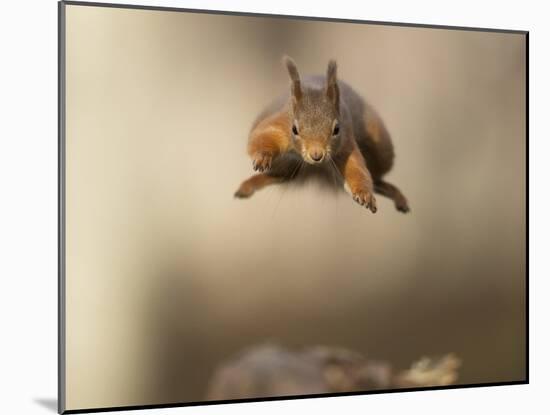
<point x="296" y="87"/>
<point x="291" y="68"/>
<point x="332" y="90"/>
<point x="331" y="71"/>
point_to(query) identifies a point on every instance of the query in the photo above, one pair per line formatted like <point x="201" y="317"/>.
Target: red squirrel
<point x="322" y="123"/>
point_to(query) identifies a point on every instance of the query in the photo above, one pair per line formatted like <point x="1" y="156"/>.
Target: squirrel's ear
<point x="296" y="86"/>
<point x="332" y="84"/>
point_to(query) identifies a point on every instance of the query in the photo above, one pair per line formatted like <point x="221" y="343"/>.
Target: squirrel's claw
<point x="365" y="198"/>
<point x="262" y="162"/>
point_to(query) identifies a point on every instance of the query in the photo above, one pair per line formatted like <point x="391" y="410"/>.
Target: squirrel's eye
<point x="294" y="129"/>
<point x="336" y="129"/>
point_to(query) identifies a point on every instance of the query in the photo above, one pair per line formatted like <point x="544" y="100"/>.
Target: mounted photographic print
<point x="259" y="207"/>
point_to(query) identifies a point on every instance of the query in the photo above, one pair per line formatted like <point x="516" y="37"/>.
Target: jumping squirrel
<point x="322" y="124"/>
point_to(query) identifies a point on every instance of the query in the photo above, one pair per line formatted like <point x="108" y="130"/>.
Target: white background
<point x="28" y="221"/>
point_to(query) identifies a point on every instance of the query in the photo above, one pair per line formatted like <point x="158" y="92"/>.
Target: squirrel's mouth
<point x="308" y="160"/>
<point x="315" y="158"/>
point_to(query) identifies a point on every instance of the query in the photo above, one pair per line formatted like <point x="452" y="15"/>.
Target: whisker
<point x="336" y="168"/>
<point x="298" y="166"/>
<point x="334" y="178"/>
<point x="283" y="191"/>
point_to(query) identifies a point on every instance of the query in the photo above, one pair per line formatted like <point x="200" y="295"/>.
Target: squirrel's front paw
<point x="365" y="198"/>
<point x="262" y="161"/>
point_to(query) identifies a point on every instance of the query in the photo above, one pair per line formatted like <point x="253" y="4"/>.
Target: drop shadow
<point x="48" y="403"/>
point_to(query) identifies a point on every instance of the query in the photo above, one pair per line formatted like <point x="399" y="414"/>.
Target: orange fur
<point x="358" y="179"/>
<point x="270" y="136"/>
<point x="254" y="183"/>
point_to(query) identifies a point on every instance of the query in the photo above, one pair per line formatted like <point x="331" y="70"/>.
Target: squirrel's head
<point x="315" y="128"/>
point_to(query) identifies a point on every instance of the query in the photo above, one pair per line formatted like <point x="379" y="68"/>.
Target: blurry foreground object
<point x="270" y="370"/>
<point x="430" y="372"/>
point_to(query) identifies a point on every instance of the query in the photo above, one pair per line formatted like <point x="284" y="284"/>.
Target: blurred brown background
<point x="168" y="275"/>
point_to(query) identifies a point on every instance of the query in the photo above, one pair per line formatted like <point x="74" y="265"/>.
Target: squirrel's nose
<point x="317" y="154"/>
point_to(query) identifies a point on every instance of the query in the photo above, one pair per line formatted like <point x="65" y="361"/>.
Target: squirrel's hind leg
<point x="256" y="182"/>
<point x="392" y="192"/>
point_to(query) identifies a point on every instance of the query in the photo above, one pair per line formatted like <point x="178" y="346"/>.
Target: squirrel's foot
<point x="402" y="205"/>
<point x="365" y="198"/>
<point x="245" y="190"/>
<point x="262" y="161"/>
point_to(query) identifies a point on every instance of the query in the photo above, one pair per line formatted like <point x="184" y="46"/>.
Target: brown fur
<point x="323" y="122"/>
